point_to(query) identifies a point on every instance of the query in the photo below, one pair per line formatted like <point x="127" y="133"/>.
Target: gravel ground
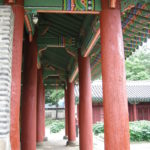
<point x="56" y="142"/>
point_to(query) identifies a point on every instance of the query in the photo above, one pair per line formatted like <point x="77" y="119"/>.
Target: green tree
<point x="138" y="65"/>
<point x="53" y="96"/>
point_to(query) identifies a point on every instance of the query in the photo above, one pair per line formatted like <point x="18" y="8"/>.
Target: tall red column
<point x="18" y="11"/>
<point x="149" y="114"/>
<point x="66" y="114"/>
<point x="116" y="120"/>
<point x="44" y="113"/>
<point x="71" y="115"/>
<point x="40" y="108"/>
<point x="85" y="104"/>
<point x="130" y="112"/>
<point x="29" y="98"/>
<point x="134" y="112"/>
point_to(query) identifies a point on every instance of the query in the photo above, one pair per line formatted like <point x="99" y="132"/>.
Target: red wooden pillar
<point x="149" y="112"/>
<point x="85" y="104"/>
<point x="130" y="112"/>
<point x="44" y="113"/>
<point x="116" y="119"/>
<point x="134" y="112"/>
<point x="71" y="115"/>
<point x="40" y="108"/>
<point x="29" y="98"/>
<point x="18" y="11"/>
<point x="66" y="114"/>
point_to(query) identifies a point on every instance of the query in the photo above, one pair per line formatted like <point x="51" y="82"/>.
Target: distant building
<point x="138" y="93"/>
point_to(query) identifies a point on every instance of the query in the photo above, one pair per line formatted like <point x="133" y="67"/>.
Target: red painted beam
<point x="92" y="43"/>
<point x="28" y="27"/>
<point x="74" y="75"/>
<point x="11" y="2"/>
<point x="68" y="12"/>
<point x="86" y="54"/>
<point x="116" y="120"/>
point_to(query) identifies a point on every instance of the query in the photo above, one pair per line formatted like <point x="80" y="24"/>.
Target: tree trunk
<point x="56" y="111"/>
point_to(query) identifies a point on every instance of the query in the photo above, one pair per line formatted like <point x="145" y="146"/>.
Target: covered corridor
<point x="55" y="142"/>
<point x="57" y="44"/>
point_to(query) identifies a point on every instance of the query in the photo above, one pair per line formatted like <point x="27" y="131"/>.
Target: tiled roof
<point x="137" y="91"/>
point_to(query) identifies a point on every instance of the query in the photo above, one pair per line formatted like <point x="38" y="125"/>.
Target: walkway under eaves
<point x="56" y="142"/>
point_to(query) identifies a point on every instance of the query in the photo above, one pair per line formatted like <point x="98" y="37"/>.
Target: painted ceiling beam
<point x="73" y="76"/>
<point x="134" y="33"/>
<point x="127" y="46"/>
<point x="141" y="30"/>
<point x="88" y="44"/>
<point x="59" y="19"/>
<point x="56" y="58"/>
<point x="57" y="66"/>
<point x="132" y="41"/>
<point x="87" y="52"/>
<point x="48" y="72"/>
<point x="134" y="37"/>
<point x="61" y="6"/>
<point x="29" y="28"/>
<point x="92" y="44"/>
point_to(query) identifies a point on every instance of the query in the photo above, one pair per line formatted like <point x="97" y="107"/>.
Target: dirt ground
<point x="56" y="142"/>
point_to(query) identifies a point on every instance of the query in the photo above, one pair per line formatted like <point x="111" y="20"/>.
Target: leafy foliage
<point x="55" y="125"/>
<point x="48" y="122"/>
<point x="53" y="96"/>
<point x="139" y="131"/>
<point x="138" y="65"/>
<point x="98" y="128"/>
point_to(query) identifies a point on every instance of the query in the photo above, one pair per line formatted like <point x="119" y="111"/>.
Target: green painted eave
<point x="60" y="36"/>
<point x="60" y="5"/>
<point x="35" y="5"/>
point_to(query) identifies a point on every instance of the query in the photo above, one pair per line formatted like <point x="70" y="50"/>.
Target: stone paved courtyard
<point x="56" y="142"/>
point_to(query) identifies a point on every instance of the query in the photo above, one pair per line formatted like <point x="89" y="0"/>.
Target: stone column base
<point x="65" y="137"/>
<point x="45" y="139"/>
<point x="39" y="143"/>
<point x="71" y="143"/>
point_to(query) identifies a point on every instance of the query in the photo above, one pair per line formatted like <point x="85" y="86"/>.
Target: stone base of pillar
<point x="71" y="143"/>
<point x="39" y="143"/>
<point x="65" y="137"/>
<point x="45" y="139"/>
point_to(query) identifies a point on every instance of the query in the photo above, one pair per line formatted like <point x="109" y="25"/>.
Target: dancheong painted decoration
<point x="79" y="5"/>
<point x="59" y="43"/>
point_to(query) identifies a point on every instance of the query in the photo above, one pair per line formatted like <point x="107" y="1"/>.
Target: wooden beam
<point x="92" y="44"/>
<point x="74" y="74"/>
<point x="68" y="12"/>
<point x="28" y="27"/>
<point x="87" y="52"/>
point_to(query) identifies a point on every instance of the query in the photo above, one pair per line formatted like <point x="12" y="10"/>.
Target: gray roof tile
<point x="137" y="91"/>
